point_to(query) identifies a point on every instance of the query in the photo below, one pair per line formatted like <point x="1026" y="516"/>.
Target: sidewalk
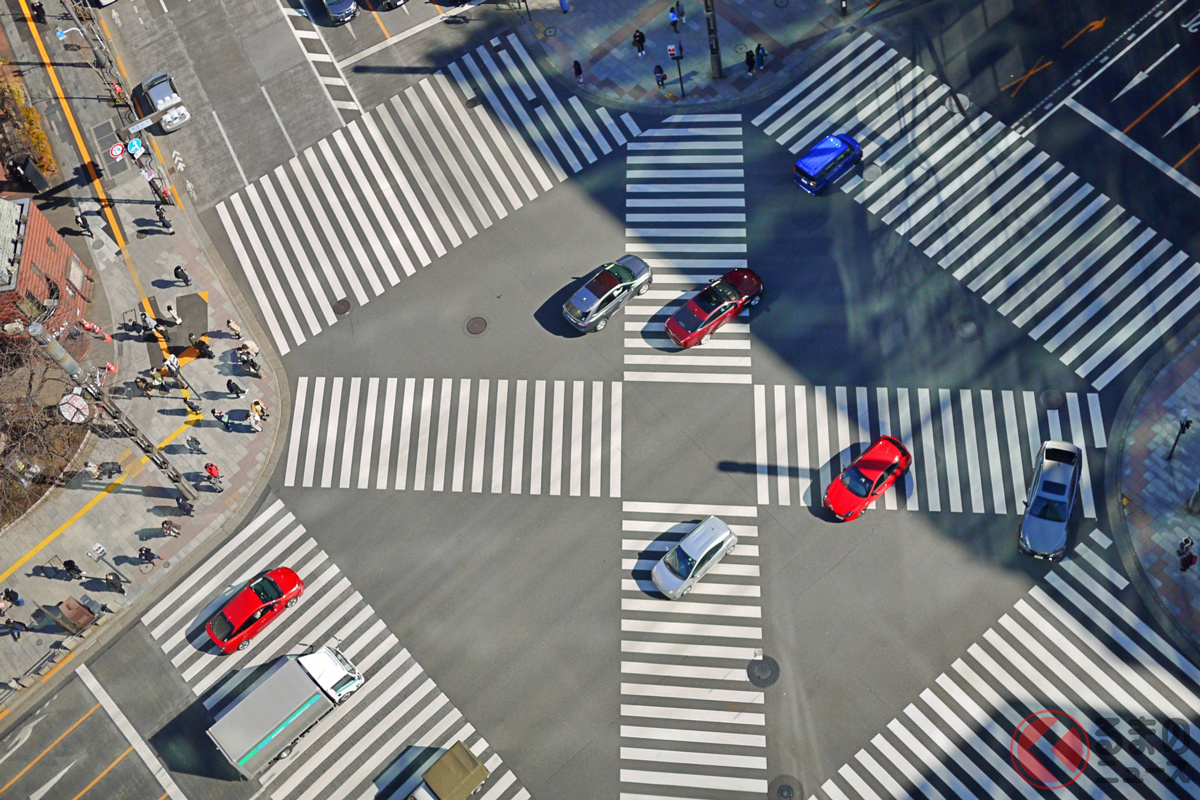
<point x="125" y="513"/>
<point x="599" y="34"/>
<point x="1155" y="520"/>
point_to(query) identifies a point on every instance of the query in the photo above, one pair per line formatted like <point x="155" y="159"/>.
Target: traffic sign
<point x="117" y="150"/>
<point x="135" y="147"/>
<point x="148" y="175"/>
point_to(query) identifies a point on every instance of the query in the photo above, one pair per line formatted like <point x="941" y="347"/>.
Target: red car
<point x="871" y="474"/>
<point x="253" y="608"/>
<point x="720" y="301"/>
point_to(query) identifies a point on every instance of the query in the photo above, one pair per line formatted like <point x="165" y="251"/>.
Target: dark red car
<point x="871" y="474"/>
<point x="720" y="301"/>
<point x="253" y="608"/>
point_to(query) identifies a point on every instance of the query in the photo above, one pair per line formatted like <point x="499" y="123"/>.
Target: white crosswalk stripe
<point x="686" y="216"/>
<point x="1076" y="271"/>
<point x="454" y="435"/>
<point x="403" y="183"/>
<point x="690" y="717"/>
<point x="972" y="448"/>
<point x="371" y="746"/>
<point x="1070" y="645"/>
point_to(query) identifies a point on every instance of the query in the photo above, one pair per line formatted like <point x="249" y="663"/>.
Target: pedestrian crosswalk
<point x="972" y="448"/>
<point x="686" y="216"/>
<point x="404" y="183"/>
<point x="378" y="743"/>
<point x="1073" y="269"/>
<point x="330" y="76"/>
<point x="556" y="437"/>
<point x="692" y="724"/>
<point x="1070" y="645"/>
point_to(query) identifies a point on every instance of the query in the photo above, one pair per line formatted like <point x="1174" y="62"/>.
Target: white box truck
<point x="265" y="724"/>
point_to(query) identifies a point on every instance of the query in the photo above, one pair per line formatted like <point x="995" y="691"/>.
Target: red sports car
<point x="720" y="301"/>
<point x="254" y="608"/>
<point x="871" y="474"/>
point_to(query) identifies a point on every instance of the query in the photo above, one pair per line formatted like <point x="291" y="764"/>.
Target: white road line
<point x="460" y="434"/>
<point x="931" y="762"/>
<point x="384" y="225"/>
<point x="596" y="440"/>
<point x="905" y="768"/>
<point x="1012" y="429"/>
<point x="1032" y="427"/>
<point x="700" y="736"/>
<point x="413" y="203"/>
<point x="885" y="429"/>
<point x="481" y="412"/>
<point x="844" y="443"/>
<point x="682" y="650"/>
<point x="950" y="448"/>
<point x="577" y="395"/>
<point x="803" y="463"/>
<point x="368" y="438"/>
<point x="387" y="200"/>
<point x="325" y="226"/>
<point x="539" y="430"/>
<point x="822" y="420"/>
<point x="518" y="440"/>
<point x="440" y="452"/>
<point x="423" y="434"/>
<point x="996" y="466"/>
<point x="331" y="432"/>
<point x="1053" y="424"/>
<point x="781" y="446"/>
<point x="1085" y="473"/>
<point x="498" y="439"/>
<point x="252" y="277"/>
<point x="683" y="509"/>
<point x="335" y="206"/>
<point x="316" y="420"/>
<point x="614" y="442"/>
<point x="289" y="475"/>
<point x="695" y="693"/>
<point x="270" y="221"/>
<point x="760" y="444"/>
<point x="685" y="757"/>
<point x="300" y="216"/>
<point x="904" y="409"/>
<point x="385" y="436"/>
<point x="556" y="438"/>
<point x="930" y="448"/>
<point x="351" y="429"/>
<point x="971" y="442"/>
<point x="1097" y="418"/>
<point x="693" y="715"/>
<point x="410" y="390"/>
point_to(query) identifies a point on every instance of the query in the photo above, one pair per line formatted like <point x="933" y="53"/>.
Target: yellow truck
<point x="456" y="775"/>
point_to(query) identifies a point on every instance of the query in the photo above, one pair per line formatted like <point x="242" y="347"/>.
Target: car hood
<point x="1043" y="536"/>
<point x="840" y="498"/>
<point x="745" y="281"/>
<point x="286" y="579"/>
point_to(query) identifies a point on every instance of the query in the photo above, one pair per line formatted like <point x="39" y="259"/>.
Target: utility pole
<point x="714" y="46"/>
<point x="58" y="354"/>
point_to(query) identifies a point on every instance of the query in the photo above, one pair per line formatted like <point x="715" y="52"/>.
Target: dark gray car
<point x="341" y="11"/>
<point x="1051" y="501"/>
<point x="606" y="291"/>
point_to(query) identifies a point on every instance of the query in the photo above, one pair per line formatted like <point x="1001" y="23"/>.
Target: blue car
<point x="826" y="161"/>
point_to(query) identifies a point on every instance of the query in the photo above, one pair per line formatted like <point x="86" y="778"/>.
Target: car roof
<point x="241" y="606"/>
<point x="821" y="154"/>
<point x="704" y="535"/>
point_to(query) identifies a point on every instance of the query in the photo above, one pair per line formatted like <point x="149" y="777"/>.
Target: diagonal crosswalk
<point x="690" y="719"/>
<point x="1078" y="273"/>
<point x="467" y="435"/>
<point x="686" y="215"/>
<point x="404" y="183"/>
<point x="1072" y="645"/>
<point x="378" y="743"/>
<point x="972" y="448"/>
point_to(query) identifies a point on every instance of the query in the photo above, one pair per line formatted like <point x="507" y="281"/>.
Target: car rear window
<point x="222" y="628"/>
<point x="1061" y="456"/>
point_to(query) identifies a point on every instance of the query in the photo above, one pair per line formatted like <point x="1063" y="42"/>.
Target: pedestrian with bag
<point x="257" y="407"/>
<point x="17" y="628"/>
<point x="82" y="223"/>
<point x="147" y="555"/>
<point x="660" y="77"/>
<point x="181" y="275"/>
<point x="234" y="328"/>
<point x="232" y="387"/>
<point x="223" y="418"/>
<point x="143" y="385"/>
<point x="113" y="581"/>
<point x="185" y="508"/>
<point x="639" y="41"/>
<point x="73" y="571"/>
<point x="170" y="528"/>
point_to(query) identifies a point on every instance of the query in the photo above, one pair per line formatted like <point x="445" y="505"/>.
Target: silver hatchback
<point x="1051" y="501"/>
<point x="697" y="553"/>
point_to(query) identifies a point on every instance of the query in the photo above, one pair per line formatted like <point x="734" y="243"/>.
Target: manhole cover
<point x="476" y="325"/>
<point x="1051" y="398"/>
<point x="763" y="672"/>
<point x="341" y="307"/>
<point x="784" y="787"/>
<point x="966" y="329"/>
<point x="963" y="103"/>
<point x="474" y="101"/>
<point x="142" y="234"/>
<point x="871" y="172"/>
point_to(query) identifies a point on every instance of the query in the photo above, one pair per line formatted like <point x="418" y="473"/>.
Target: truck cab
<point x="456" y="775"/>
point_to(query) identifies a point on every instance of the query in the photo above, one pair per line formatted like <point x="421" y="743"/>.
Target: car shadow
<point x="550" y="314"/>
<point x="653" y="552"/>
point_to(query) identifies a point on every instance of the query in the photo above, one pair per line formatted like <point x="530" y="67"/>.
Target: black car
<point x="606" y="292"/>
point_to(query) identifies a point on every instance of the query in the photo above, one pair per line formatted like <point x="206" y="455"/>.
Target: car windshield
<point x="623" y="273"/>
<point x="266" y="589"/>
<point x="1049" y="510"/>
<point x="222" y="628"/>
<point x="688" y="320"/>
<point x="680" y="562"/>
<point x="714" y="295"/>
<point x="856" y="482"/>
<point x="602" y="281"/>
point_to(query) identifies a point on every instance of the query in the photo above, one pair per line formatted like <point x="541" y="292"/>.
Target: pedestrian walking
<point x="214" y="476"/>
<point x="156" y="381"/>
<point x="39" y="12"/>
<point x="185" y="508"/>
<point x="749" y="62"/>
<point x="679" y="10"/>
<point x="73" y="571"/>
<point x="253" y="366"/>
<point x="147" y="555"/>
<point x="170" y="528"/>
<point x="234" y="328"/>
<point x="82" y="223"/>
<point x="162" y="331"/>
<point x="194" y="339"/>
<point x="194" y="445"/>
<point x="255" y="422"/>
<point x="11" y="597"/>
<point x="760" y="57"/>
<point x="17" y="628"/>
<point x="639" y="41"/>
<point x="233" y="388"/>
<point x="174" y="317"/>
<point x="147" y="325"/>
<point x="222" y="418"/>
<point x="257" y="407"/>
<point x="161" y="213"/>
<point x="250" y="347"/>
<point x="144" y="385"/>
<point x="91" y="469"/>
<point x="660" y="76"/>
<point x="673" y="15"/>
<point x="113" y="581"/>
<point x="182" y="276"/>
<point x="578" y="72"/>
<point x="193" y="405"/>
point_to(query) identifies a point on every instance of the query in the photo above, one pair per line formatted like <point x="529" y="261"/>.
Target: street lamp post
<point x="1184" y="424"/>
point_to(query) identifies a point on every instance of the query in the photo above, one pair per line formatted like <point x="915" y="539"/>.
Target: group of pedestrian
<point x="756" y="59"/>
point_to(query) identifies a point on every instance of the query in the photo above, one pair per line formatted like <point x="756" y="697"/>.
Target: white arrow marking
<point x="40" y="793"/>
<point x="1141" y="76"/>
<point x="1191" y="112"/>
<point x="22" y="737"/>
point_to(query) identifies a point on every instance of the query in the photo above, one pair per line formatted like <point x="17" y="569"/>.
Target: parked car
<point x="341" y="11"/>
<point x="825" y="162"/>
<point x="689" y="560"/>
<point x="159" y="93"/>
<point x="1051" y="501"/>
<point x="606" y="292"/>
<point x="722" y="300"/>
<point x="253" y="608"/>
<point x="870" y="475"/>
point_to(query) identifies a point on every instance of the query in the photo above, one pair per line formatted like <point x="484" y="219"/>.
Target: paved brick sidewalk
<point x="125" y="514"/>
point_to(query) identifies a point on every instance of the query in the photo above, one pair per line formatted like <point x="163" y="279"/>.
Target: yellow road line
<point x="53" y="744"/>
<point x="104" y="772"/>
<point x="57" y="667"/>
